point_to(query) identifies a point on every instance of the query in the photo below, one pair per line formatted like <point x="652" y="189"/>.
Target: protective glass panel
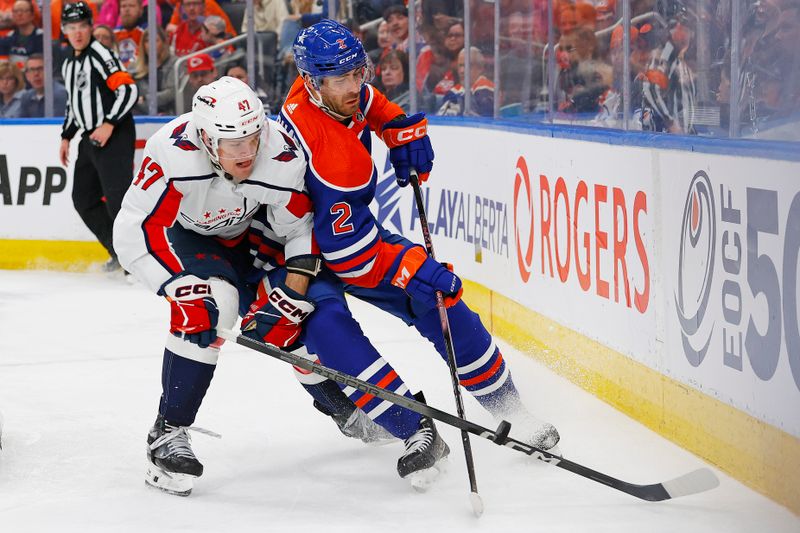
<point x="522" y="57"/>
<point x="769" y="71"/>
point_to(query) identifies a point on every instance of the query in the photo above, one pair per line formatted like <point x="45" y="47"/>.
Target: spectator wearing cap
<point x="212" y="32"/>
<point x="202" y="71"/>
<point x="129" y="32"/>
<point x="33" y="98"/>
<point x="25" y="38"/>
<point x="397" y="18"/>
<point x="165" y="81"/>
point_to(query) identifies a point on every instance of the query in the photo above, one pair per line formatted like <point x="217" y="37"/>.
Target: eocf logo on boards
<point x="742" y="306"/>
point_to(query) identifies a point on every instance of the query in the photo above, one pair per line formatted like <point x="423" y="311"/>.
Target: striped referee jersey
<point x="98" y="88"/>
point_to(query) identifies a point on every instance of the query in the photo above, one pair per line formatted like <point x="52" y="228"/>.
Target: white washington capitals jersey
<point x="176" y="184"/>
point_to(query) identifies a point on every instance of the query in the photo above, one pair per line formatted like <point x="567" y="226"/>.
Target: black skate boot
<point x="171" y="462"/>
<point x="425" y="456"/>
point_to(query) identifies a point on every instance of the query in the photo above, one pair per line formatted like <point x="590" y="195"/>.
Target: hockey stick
<point x="694" y="482"/>
<point x="474" y="497"/>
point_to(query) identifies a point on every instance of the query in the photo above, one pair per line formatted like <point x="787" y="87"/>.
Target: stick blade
<point x="477" y="504"/>
<point x="694" y="482"/>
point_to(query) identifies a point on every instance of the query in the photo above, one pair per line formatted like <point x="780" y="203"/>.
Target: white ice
<point x="80" y="363"/>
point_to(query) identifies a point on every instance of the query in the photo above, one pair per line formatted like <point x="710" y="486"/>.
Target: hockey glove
<point x="409" y="147"/>
<point x="276" y="318"/>
<point x="420" y="276"/>
<point x="193" y="310"/>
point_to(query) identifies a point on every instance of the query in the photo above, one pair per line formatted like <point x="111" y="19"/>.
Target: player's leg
<point x="188" y="368"/>
<point x="87" y="197"/>
<point x="327" y="396"/>
<point x="336" y="337"/>
<point x="483" y="371"/>
<point x="481" y="368"/>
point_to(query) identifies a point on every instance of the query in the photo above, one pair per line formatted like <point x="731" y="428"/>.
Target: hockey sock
<point x="330" y="399"/>
<point x="334" y="335"/>
<point x="481" y="367"/>
<point x="184" y="383"/>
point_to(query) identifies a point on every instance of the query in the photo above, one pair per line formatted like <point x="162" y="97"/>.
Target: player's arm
<point x="277" y="315"/>
<point x="149" y="209"/>
<point x="407" y="137"/>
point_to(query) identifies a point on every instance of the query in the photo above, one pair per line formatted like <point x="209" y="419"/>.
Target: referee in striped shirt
<point x="101" y="95"/>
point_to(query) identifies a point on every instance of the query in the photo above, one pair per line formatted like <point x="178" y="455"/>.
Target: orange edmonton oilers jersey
<point x="341" y="179"/>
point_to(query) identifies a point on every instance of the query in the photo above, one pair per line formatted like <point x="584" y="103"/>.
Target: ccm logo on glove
<point x="286" y="307"/>
<point x="201" y="289"/>
<point x="404" y="136"/>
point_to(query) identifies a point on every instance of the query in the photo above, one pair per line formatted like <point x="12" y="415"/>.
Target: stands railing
<point x="727" y="89"/>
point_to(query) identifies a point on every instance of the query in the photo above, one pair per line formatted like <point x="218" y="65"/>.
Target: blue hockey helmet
<point x="328" y="48"/>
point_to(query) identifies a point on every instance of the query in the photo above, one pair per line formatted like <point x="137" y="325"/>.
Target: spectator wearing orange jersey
<point x="129" y="33"/>
<point x="210" y="8"/>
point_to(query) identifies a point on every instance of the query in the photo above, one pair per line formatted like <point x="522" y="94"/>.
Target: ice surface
<point x="80" y="358"/>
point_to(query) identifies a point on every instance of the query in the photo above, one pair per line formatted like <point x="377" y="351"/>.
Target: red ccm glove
<point x="193" y="310"/>
<point x="276" y="317"/>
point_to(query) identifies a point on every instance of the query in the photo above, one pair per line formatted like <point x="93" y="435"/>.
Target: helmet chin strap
<point x="316" y="98"/>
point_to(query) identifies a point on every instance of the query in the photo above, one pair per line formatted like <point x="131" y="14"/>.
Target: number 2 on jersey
<point x="150" y="170"/>
<point x="341" y="224"/>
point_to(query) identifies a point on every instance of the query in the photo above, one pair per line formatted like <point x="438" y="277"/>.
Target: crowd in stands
<point x="676" y="76"/>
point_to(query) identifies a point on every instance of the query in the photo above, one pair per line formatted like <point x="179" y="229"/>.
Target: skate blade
<point x="422" y="480"/>
<point x="170" y="482"/>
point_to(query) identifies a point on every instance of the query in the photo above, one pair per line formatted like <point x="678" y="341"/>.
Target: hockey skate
<point x="358" y="425"/>
<point x="425" y="457"/>
<point x="171" y="464"/>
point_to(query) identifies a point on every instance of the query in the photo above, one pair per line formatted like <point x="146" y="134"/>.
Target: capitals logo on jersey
<point x="289" y="150"/>
<point x="182" y="139"/>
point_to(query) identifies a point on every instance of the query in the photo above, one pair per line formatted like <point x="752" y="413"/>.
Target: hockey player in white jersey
<point x="219" y="199"/>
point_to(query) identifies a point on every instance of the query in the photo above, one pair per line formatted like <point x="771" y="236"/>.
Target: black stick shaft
<point x="653" y="492"/>
<point x="448" y="337"/>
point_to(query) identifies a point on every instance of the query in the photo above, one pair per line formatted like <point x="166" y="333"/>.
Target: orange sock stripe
<point x="486" y="375"/>
<point x="388" y="378"/>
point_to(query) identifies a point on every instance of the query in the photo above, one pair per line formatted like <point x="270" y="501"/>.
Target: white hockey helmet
<point x="226" y="109"/>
